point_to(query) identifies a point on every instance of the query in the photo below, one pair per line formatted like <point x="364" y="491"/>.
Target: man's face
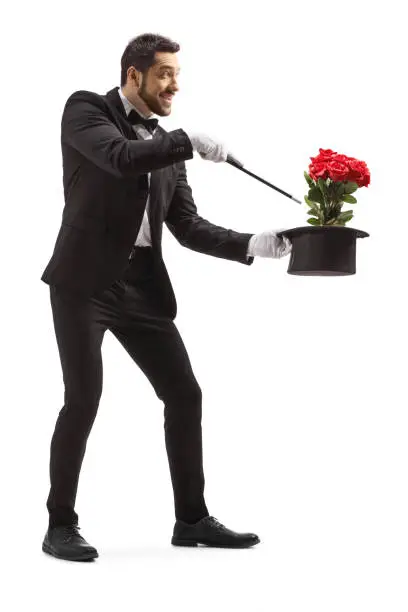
<point x="158" y="86"/>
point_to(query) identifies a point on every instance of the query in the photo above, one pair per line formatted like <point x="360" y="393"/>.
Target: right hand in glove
<point x="209" y="149"/>
<point x="267" y="244"/>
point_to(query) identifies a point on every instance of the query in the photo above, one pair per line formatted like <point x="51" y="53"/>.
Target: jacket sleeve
<point x="87" y="127"/>
<point x="198" y="234"/>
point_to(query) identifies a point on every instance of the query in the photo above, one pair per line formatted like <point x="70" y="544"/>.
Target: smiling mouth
<point x="167" y="97"/>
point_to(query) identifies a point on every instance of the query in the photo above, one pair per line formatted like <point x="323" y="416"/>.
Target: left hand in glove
<point x="267" y="244"/>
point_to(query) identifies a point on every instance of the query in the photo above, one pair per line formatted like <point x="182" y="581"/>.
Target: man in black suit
<point x="123" y="176"/>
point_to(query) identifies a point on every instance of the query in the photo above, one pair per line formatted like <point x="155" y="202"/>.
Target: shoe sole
<point x="83" y="557"/>
<point x="177" y="542"/>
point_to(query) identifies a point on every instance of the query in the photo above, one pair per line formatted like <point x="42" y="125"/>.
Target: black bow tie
<point x="150" y="124"/>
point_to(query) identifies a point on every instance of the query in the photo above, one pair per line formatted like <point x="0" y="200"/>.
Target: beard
<point x="151" y="101"/>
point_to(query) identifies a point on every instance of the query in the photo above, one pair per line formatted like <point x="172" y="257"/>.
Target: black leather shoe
<point x="210" y="532"/>
<point x="64" y="542"/>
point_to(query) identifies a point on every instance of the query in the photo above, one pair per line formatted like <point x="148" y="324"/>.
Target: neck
<point x="139" y="104"/>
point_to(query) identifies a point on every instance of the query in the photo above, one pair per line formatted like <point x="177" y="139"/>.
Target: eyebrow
<point x="166" y="66"/>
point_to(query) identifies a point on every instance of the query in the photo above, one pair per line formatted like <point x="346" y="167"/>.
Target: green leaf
<point x="316" y="195"/>
<point x="346" y="215"/>
<point x="349" y="199"/>
<point x="350" y="187"/>
<point x="308" y="179"/>
<point x="339" y="189"/>
<point x="313" y="221"/>
<point x="314" y="209"/>
<point x="322" y="185"/>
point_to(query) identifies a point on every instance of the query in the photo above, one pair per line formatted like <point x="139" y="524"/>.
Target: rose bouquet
<point x="332" y="178"/>
<point x="326" y="247"/>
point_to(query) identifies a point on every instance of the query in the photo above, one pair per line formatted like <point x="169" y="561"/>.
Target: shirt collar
<point x="129" y="106"/>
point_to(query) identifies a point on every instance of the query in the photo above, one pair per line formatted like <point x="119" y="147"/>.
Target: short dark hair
<point x="140" y="53"/>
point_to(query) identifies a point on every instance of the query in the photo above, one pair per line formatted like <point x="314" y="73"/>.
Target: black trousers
<point x="130" y="311"/>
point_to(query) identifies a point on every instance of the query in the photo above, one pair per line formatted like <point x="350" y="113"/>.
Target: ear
<point x="134" y="75"/>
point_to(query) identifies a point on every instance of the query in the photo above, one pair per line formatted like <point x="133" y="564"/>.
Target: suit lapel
<point x="157" y="177"/>
<point x="157" y="182"/>
<point x="118" y="110"/>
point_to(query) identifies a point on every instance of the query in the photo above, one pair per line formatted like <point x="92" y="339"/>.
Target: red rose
<point x="341" y="158"/>
<point x="366" y="179"/>
<point x="325" y="154"/>
<point x="338" y="170"/>
<point x="338" y="167"/>
<point x="318" y="170"/>
<point x="359" y="173"/>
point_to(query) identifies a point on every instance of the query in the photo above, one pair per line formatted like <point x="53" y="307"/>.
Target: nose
<point x="175" y="86"/>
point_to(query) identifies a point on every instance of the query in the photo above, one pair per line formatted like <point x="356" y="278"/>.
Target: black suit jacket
<point x="105" y="168"/>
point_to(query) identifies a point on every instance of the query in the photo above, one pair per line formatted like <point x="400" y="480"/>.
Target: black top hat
<point x="323" y="250"/>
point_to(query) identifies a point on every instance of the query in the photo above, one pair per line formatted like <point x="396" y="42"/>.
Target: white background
<point x="303" y="379"/>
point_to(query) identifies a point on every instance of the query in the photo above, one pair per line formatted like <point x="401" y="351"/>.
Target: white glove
<point x="267" y="244"/>
<point x="208" y="148"/>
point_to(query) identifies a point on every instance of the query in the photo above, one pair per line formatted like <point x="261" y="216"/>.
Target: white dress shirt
<point x="144" y="236"/>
